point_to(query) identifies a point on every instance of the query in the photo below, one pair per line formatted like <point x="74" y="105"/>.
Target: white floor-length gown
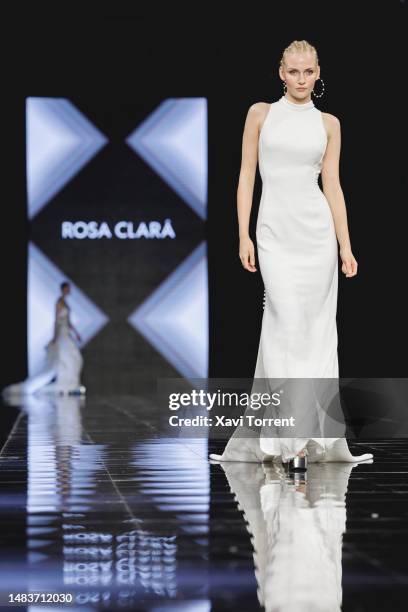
<point x="298" y="260"/>
<point x="62" y="364"/>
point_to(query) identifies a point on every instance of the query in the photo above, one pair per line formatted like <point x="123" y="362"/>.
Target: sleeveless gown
<point x="298" y="260"/>
<point x="61" y="368"/>
<point x="68" y="359"/>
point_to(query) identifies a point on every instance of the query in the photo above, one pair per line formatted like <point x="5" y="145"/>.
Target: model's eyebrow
<point x="310" y="68"/>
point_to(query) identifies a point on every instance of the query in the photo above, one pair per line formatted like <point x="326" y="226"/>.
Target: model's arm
<point x="57" y="309"/>
<point x="73" y="328"/>
<point x="334" y="193"/>
<point x="246" y="182"/>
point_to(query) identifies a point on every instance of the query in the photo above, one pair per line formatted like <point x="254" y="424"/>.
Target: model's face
<point x="300" y="73"/>
<point x="67" y="290"/>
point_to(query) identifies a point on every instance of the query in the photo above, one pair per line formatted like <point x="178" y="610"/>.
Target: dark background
<point x="128" y="57"/>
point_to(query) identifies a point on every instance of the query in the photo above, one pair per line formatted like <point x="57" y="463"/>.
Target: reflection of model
<point x="63" y="364"/>
<point x="296" y="237"/>
<point x="297" y="530"/>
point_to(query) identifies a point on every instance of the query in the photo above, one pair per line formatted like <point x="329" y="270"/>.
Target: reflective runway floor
<point x="99" y="505"/>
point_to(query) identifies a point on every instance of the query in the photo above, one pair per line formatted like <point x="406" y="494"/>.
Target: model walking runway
<point x="298" y="260"/>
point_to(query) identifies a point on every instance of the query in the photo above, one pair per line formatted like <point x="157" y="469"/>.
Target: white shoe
<point x="340" y="452"/>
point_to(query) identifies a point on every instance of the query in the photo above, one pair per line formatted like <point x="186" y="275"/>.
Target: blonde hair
<point x="298" y="46"/>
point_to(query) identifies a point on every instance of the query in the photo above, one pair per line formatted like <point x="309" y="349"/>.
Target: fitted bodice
<point x="292" y="144"/>
<point x="63" y="317"/>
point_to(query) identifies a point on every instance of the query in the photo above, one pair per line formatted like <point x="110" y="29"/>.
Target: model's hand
<point x="247" y="254"/>
<point x="349" y="267"/>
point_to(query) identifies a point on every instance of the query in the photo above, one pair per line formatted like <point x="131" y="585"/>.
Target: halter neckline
<point x="297" y="107"/>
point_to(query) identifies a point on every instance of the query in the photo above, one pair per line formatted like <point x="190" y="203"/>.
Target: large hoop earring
<point x="313" y="91"/>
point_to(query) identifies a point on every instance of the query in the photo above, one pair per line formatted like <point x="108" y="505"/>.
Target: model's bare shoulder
<point x="257" y="113"/>
<point x="331" y="118"/>
<point x="254" y="118"/>
<point x="331" y="123"/>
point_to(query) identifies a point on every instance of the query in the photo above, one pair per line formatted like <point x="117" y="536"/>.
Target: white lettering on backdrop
<point x="124" y="230"/>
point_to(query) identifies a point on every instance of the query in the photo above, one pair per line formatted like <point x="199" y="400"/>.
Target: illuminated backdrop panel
<point x="119" y="211"/>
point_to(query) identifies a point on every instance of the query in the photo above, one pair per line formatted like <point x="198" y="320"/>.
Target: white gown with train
<point x="298" y="260"/>
<point x="62" y="364"/>
<point x="68" y="359"/>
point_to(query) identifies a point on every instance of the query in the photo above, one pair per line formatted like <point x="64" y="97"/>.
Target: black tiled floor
<point x="98" y="502"/>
